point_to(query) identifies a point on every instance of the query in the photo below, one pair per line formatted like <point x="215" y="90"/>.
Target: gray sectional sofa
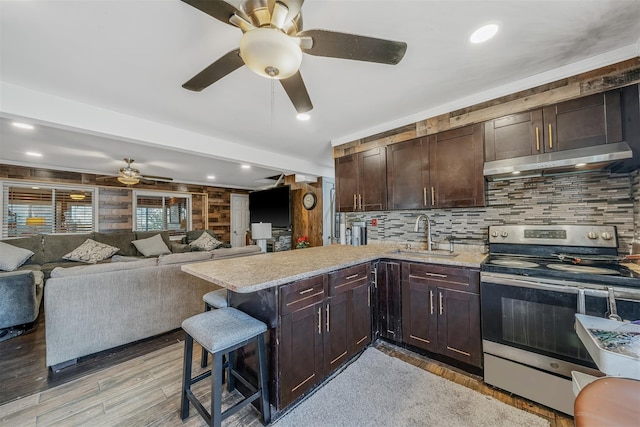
<point x="95" y="307"/>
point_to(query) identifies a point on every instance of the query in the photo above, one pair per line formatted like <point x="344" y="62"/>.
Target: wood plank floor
<point x="139" y="385"/>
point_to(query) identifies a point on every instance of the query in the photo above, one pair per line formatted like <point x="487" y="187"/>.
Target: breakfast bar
<point x="319" y="305"/>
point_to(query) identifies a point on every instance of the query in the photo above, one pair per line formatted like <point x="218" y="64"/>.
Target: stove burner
<point x="514" y="263"/>
<point x="582" y="269"/>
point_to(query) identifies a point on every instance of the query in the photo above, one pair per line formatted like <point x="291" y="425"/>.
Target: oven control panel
<point x="604" y="236"/>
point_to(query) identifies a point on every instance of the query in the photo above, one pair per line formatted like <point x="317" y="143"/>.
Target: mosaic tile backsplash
<point x="598" y="198"/>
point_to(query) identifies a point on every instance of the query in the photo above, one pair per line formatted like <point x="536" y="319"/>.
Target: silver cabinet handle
<point x="327" y="317"/>
<point x="360" y="198"/>
<point x="353" y="276"/>
<point x="435" y="275"/>
<point x="433" y="197"/>
<point x="319" y="320"/>
<point x="424" y="195"/>
<point x="306" y="291"/>
<point x="440" y="298"/>
<point x="431" y="302"/>
<point x="355" y="202"/>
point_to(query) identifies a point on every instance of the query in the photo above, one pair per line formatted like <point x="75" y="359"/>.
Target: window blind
<point x="29" y="210"/>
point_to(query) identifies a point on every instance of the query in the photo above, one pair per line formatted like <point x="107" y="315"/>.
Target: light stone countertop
<point x="253" y="273"/>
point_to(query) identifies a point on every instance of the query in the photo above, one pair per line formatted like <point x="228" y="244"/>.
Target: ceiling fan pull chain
<point x="273" y="101"/>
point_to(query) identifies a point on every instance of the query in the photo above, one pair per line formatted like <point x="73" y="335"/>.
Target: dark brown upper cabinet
<point x="438" y="171"/>
<point x="361" y="181"/>
<point x="583" y="122"/>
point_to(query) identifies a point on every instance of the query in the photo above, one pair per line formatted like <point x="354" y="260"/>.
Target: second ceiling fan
<point x="273" y="42"/>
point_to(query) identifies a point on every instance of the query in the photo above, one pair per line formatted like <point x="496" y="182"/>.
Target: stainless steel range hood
<point x="567" y="161"/>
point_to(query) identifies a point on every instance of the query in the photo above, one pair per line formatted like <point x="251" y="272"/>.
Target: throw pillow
<point x="12" y="257"/>
<point x="205" y="242"/>
<point x="152" y="246"/>
<point x="91" y="251"/>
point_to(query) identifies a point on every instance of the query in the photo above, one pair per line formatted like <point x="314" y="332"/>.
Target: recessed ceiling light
<point x="483" y="34"/>
<point x="33" y="153"/>
<point x="303" y="117"/>
<point x="22" y="125"/>
<point x="516" y="172"/>
<point x="246" y="166"/>
<point x="211" y="177"/>
<point x="579" y="165"/>
<point x="35" y="188"/>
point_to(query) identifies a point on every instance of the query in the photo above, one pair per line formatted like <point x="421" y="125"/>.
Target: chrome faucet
<point x="428" y="229"/>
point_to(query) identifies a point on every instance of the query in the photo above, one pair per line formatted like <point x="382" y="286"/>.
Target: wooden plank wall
<point x="305" y="223"/>
<point x="211" y="206"/>
<point x="600" y="80"/>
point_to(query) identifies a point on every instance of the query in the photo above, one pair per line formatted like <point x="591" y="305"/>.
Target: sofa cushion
<point x="195" y="234"/>
<point x="184" y="257"/>
<point x="122" y="258"/>
<point x="205" y="242"/>
<point x="236" y="252"/>
<point x="56" y="246"/>
<point x="32" y="243"/>
<point x="102" y="268"/>
<point x="12" y="257"/>
<point x="152" y="246"/>
<point x="122" y="241"/>
<point x="91" y="251"/>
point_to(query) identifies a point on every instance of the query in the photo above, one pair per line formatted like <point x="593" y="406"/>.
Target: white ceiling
<point x="102" y="79"/>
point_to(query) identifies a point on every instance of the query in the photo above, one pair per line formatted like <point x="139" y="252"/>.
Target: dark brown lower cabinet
<point x="441" y="310"/>
<point x="301" y="355"/>
<point x="324" y="321"/>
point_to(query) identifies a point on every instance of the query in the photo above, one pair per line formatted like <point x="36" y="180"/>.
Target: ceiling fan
<point x="130" y="176"/>
<point x="273" y="41"/>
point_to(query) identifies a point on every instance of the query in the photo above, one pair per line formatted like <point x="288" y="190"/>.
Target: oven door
<point x="533" y="323"/>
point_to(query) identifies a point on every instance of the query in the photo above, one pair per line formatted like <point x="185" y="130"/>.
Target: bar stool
<point x="221" y="332"/>
<point x="213" y="300"/>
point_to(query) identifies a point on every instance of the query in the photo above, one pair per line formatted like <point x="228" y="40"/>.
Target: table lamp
<point x="260" y="232"/>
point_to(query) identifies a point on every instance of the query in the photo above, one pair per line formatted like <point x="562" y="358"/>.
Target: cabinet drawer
<point x="348" y="278"/>
<point x="459" y="278"/>
<point x="302" y="293"/>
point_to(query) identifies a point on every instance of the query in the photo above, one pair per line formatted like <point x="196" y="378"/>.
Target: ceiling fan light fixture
<point x="270" y="53"/>
<point x="77" y="196"/>
<point x="128" y="180"/>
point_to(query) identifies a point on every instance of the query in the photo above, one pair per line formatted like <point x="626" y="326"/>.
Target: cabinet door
<point x="347" y="183"/>
<point x="459" y="326"/>
<point x="301" y="353"/>
<point x="389" y="300"/>
<point x="372" y="181"/>
<point x="515" y="135"/>
<point x="583" y="122"/>
<point x="360" y="318"/>
<point x="408" y="174"/>
<point x="419" y="318"/>
<point x="456" y="159"/>
<point x="336" y="336"/>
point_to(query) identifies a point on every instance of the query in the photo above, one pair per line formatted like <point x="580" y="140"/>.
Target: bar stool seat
<point x="221" y="332"/>
<point x="215" y="299"/>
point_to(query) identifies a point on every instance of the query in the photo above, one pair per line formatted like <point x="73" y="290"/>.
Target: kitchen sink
<point x="438" y="254"/>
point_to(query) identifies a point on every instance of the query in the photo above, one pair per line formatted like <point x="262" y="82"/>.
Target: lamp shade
<point x="128" y="180"/>
<point x="261" y="230"/>
<point x="34" y="221"/>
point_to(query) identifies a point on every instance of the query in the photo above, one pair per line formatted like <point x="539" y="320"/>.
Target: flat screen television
<point x="272" y="205"/>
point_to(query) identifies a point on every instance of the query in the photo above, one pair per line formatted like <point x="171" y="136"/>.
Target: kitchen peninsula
<point x="321" y="306"/>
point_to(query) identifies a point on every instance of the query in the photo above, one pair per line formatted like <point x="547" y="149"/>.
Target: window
<point x="29" y="209"/>
<point x="162" y="211"/>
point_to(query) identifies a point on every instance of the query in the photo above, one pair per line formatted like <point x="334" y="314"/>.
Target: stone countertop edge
<point x="258" y="272"/>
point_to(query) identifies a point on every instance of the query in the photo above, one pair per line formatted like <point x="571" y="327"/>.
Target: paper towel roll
<point x="343" y="234"/>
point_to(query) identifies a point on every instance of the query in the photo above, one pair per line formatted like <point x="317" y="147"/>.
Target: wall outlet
<point x="374" y="222"/>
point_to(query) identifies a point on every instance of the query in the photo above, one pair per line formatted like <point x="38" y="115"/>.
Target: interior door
<point x="239" y="219"/>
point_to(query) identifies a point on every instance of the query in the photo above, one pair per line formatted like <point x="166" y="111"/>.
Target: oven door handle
<point x="512" y="281"/>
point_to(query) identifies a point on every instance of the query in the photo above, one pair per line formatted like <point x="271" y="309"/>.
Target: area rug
<point x="379" y="390"/>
